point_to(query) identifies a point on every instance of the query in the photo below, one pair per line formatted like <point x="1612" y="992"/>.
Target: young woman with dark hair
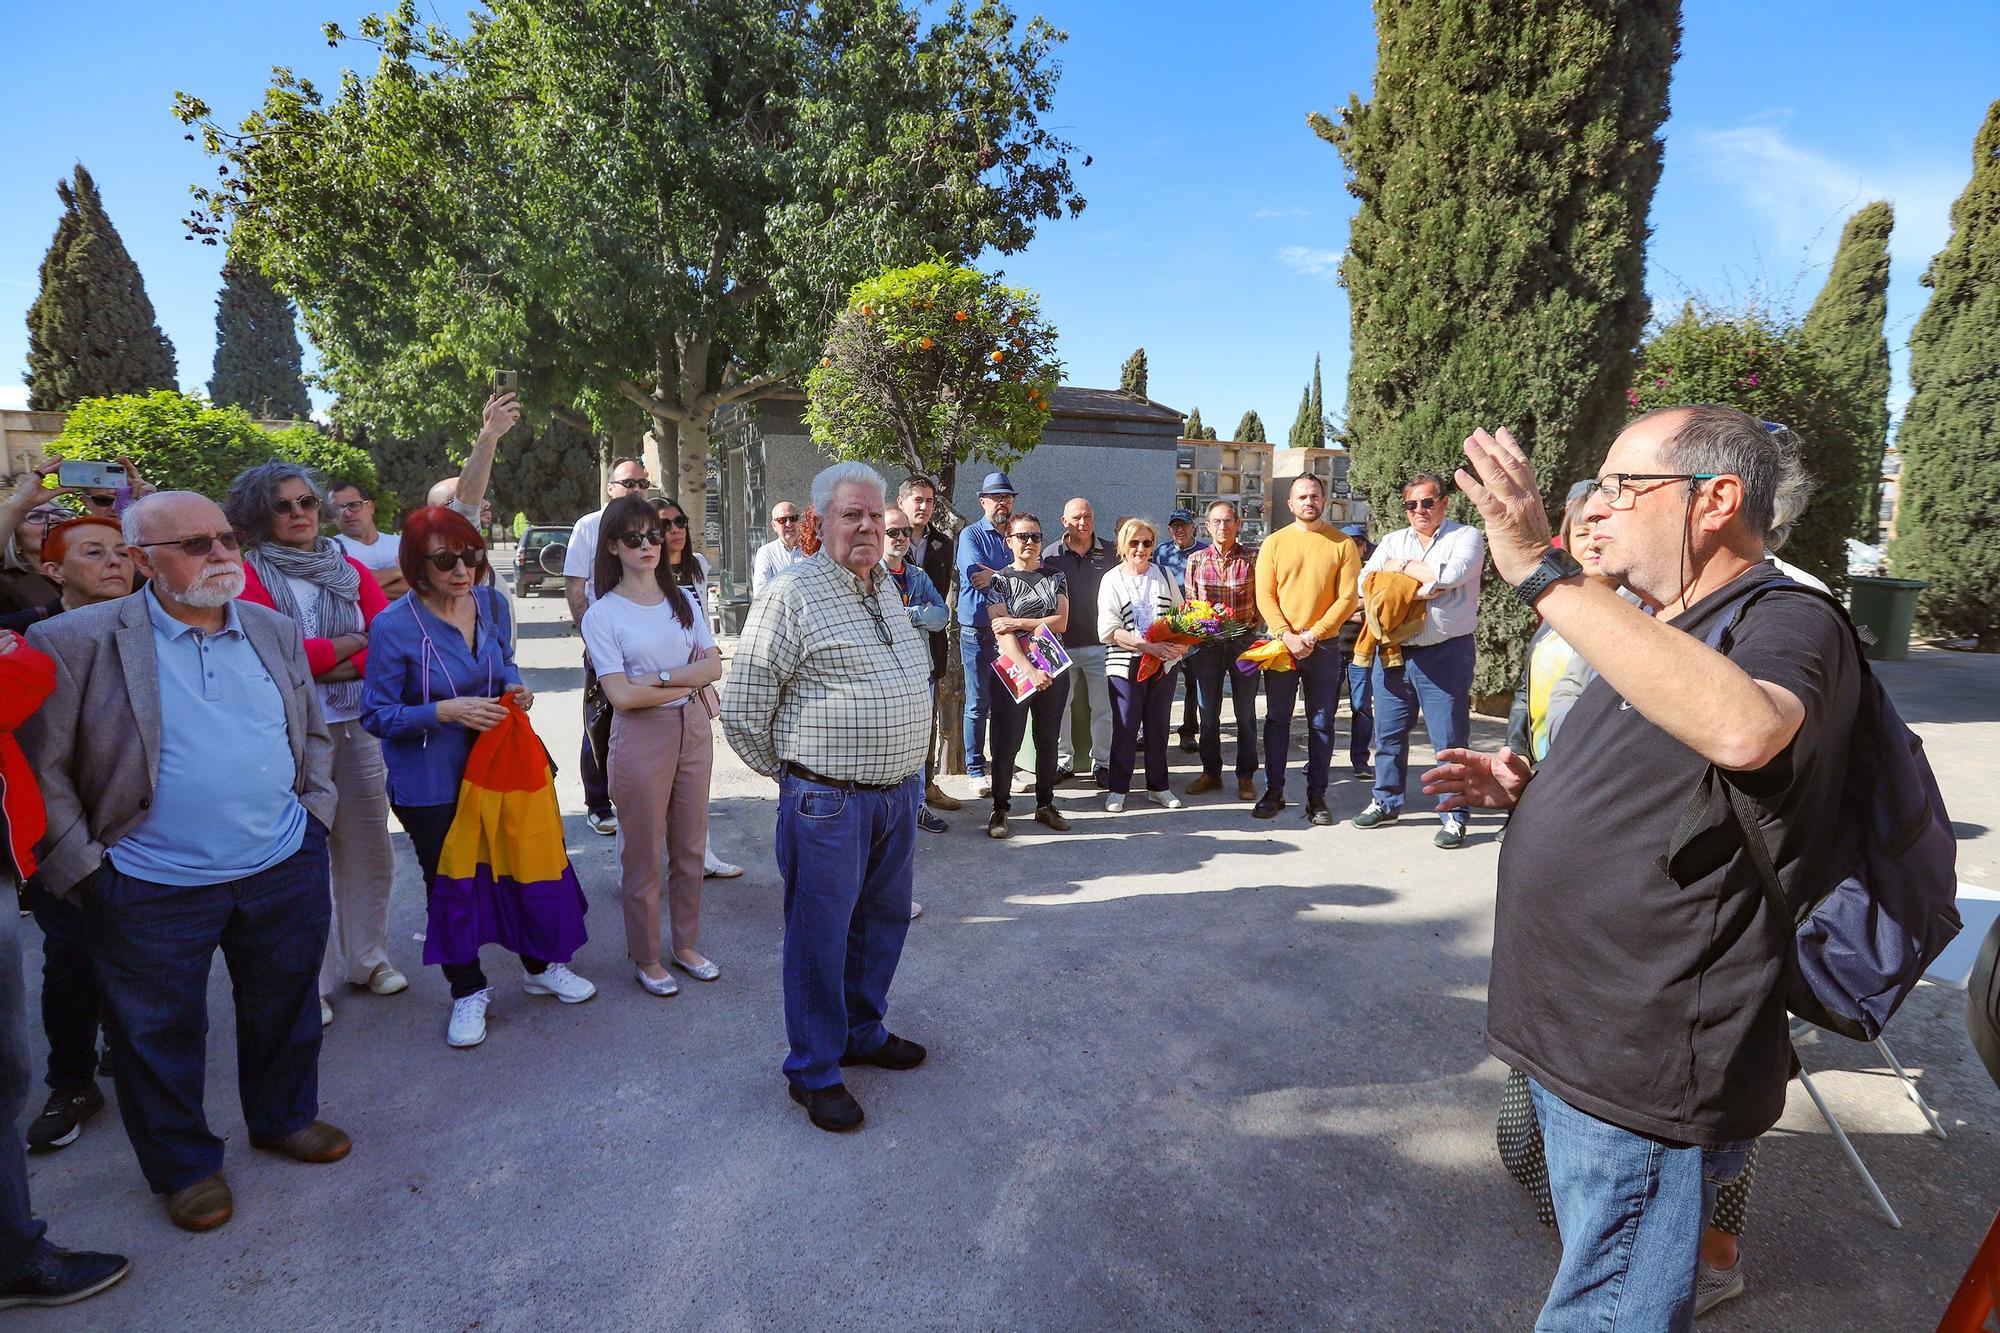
<point x="689" y="568"/>
<point x="655" y="657"/>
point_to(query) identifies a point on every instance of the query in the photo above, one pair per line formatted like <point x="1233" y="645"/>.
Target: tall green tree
<point x="644" y="205"/>
<point x="1309" y="425"/>
<point x="1845" y="328"/>
<point x="1251" y="428"/>
<point x="1496" y="266"/>
<point x="1318" y="408"/>
<point x="1132" y="375"/>
<point x="257" y="353"/>
<point x="91" y="330"/>
<point x="1948" y="526"/>
<point x="1195" y="430"/>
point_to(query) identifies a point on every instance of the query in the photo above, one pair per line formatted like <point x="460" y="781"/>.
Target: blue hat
<point x="1181" y="516"/>
<point x="996" y="483"/>
<point x="1356" y="530"/>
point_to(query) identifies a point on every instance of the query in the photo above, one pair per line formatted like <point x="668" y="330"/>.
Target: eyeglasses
<point x="351" y="506"/>
<point x="651" y="537"/>
<point x="1426" y="504"/>
<point x="783" y="519"/>
<point x="1026" y="536"/>
<point x="47" y="518"/>
<point x="874" y="608"/>
<point x="1615" y="486"/>
<point x="305" y="504"/>
<point x="678" y="521"/>
<point x="900" y="532"/>
<point x="632" y="483"/>
<point x="200" y="546"/>
<point x="445" y="561"/>
<point x="1138" y="546"/>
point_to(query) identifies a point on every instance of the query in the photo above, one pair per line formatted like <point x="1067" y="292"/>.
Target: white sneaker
<point x="468" y="1019"/>
<point x="1166" y="798"/>
<point x="325" y="1012"/>
<point x="982" y="786"/>
<point x="1114" y="801"/>
<point x="560" y="982"/>
<point x="717" y="868"/>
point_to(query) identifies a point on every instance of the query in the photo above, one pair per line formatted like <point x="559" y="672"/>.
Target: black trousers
<point x="71" y="1005"/>
<point x="596" y="745"/>
<point x="1046" y="711"/>
<point x="427" y="826"/>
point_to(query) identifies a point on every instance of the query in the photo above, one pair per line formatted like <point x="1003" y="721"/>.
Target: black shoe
<point x="929" y="822"/>
<point x="1102" y="777"/>
<point x="1049" y="817"/>
<point x="104" y="1061"/>
<point x="1363" y="773"/>
<point x="1316" y="810"/>
<point x="57" y="1276"/>
<point x="996" y="824"/>
<point x="1268" y="805"/>
<point x="895" y="1053"/>
<point x="1190" y="742"/>
<point x="1064" y="774"/>
<point x="1450" y="837"/>
<point x="832" y="1109"/>
<point x="61" y="1121"/>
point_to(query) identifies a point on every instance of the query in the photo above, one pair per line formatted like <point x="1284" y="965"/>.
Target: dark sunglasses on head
<point x="900" y="532"/>
<point x="1426" y="504"/>
<point x="1027" y="536"/>
<point x="305" y="504"/>
<point x="199" y="546"/>
<point x="102" y="501"/>
<point x="445" y="561"/>
<point x="633" y="483"/>
<point x="650" y="536"/>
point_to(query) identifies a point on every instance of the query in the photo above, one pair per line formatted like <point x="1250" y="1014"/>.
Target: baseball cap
<point x="996" y="483"/>
<point x="1181" y="516"/>
<point x="1355" y="530"/>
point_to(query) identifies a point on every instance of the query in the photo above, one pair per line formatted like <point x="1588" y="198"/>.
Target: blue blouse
<point x="414" y="661"/>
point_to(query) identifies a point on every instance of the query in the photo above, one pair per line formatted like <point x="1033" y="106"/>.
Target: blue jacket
<point x="921" y="597"/>
<point x="415" y="660"/>
<point x="978" y="544"/>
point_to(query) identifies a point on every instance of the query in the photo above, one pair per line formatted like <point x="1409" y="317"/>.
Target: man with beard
<point x="188" y="779"/>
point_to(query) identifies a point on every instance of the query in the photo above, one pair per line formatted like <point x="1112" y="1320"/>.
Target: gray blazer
<point x="96" y="783"/>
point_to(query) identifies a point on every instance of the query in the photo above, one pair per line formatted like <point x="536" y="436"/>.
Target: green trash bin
<point x="1887" y="607"/>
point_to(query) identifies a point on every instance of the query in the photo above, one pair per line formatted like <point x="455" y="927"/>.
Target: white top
<point x="1797" y="575"/>
<point x="1458" y="554"/>
<point x="378" y="554"/>
<point x="305" y="595"/>
<point x="642" y="641"/>
<point x="582" y="554"/>
<point x="773" y="559"/>
<point x="1134" y="603"/>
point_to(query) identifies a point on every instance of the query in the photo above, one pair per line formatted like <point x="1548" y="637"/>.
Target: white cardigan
<point x="1117" y="596"/>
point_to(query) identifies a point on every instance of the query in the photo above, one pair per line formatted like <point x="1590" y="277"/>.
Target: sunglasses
<point x="351" y="506"/>
<point x="650" y="537"/>
<point x="1427" y="504"/>
<point x="1026" y="536"/>
<point x="901" y="532"/>
<point x="200" y="546"/>
<point x="305" y="504"/>
<point x="677" y="521"/>
<point x="634" y="483"/>
<point x="445" y="561"/>
<point x="1138" y="546"/>
<point x="101" y="501"/>
<point x="784" y="519"/>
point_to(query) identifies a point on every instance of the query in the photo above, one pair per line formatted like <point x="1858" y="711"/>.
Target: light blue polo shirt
<point x="223" y="807"/>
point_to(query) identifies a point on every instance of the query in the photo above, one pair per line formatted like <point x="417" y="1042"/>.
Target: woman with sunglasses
<point x="689" y="568"/>
<point x="441" y="659"/>
<point x="26" y="518"/>
<point x="655" y="658"/>
<point x="289" y="567"/>
<point x="1129" y="600"/>
<point x="1025" y="597"/>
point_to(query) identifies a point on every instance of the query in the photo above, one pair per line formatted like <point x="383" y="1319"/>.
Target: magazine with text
<point x="1042" y="648"/>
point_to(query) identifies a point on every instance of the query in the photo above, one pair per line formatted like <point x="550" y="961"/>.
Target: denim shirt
<point x="416" y="660"/>
<point x="978" y="544"/>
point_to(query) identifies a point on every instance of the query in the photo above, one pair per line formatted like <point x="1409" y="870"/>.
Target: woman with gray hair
<point x="289" y="567"/>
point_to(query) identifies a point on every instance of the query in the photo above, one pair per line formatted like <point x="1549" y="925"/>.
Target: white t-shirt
<point x="626" y="638"/>
<point x="379" y="554"/>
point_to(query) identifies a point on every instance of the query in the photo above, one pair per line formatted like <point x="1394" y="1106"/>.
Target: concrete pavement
<point x="1188" y="1069"/>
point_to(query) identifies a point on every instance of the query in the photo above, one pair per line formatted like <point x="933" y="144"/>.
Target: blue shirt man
<point x="1172" y="555"/>
<point x="981" y="551"/>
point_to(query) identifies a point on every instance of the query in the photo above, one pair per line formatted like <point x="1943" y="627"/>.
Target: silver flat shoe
<point x="702" y="972"/>
<point x="664" y="986"/>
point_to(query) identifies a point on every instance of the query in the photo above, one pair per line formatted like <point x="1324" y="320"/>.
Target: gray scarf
<point x="339" y="602"/>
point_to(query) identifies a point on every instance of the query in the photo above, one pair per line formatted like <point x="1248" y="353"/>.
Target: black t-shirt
<point x="1655" y="1006"/>
<point x="1082" y="573"/>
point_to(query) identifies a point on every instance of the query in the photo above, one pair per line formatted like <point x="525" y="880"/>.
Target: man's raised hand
<point x="1473" y="778"/>
<point x="1500" y="480"/>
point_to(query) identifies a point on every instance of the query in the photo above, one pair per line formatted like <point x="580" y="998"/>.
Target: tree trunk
<point x="691" y="469"/>
<point x="948" y="727"/>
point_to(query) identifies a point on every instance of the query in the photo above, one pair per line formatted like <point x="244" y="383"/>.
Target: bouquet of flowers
<point x="1195" y="623"/>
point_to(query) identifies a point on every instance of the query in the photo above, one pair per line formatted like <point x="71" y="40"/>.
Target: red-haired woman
<point x="439" y="660"/>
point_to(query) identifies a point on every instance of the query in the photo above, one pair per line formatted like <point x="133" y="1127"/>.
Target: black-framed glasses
<point x="350" y="506"/>
<point x="873" y="606"/>
<point x="904" y="533"/>
<point x="305" y="504"/>
<point x="202" y="545"/>
<point x="632" y="483"/>
<point x="445" y="561"/>
<point x="650" y="536"/>
<point x="1614" y="486"/>
<point x="1035" y="537"/>
<point x="1426" y="504"/>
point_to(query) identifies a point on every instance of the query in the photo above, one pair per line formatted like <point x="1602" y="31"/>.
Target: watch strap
<point x="1555" y="566"/>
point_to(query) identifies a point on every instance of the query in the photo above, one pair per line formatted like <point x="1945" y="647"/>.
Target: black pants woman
<point x="1043" y="714"/>
<point x="1027" y="601"/>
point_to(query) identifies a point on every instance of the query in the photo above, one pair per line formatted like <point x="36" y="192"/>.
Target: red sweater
<point x="27" y="676"/>
<point x="320" y="656"/>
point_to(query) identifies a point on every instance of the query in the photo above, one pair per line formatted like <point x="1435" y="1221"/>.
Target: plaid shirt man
<point x="1229" y="581"/>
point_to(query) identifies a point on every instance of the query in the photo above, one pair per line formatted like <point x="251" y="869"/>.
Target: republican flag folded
<point x="504" y="875"/>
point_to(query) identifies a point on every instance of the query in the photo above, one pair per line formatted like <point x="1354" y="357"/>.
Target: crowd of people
<point x="157" y="638"/>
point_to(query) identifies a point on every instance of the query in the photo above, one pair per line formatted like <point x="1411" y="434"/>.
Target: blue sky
<point x="1215" y="217"/>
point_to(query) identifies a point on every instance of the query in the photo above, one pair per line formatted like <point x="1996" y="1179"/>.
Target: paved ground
<point x="1187" y="1070"/>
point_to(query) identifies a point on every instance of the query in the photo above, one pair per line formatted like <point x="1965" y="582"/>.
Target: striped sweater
<point x="1117" y="596"/>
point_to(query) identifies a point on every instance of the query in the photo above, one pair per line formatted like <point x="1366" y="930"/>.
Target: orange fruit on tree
<point x="997" y="357"/>
<point x="960" y="316"/>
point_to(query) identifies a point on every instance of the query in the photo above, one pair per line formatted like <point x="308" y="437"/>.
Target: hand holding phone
<point x="83" y="475"/>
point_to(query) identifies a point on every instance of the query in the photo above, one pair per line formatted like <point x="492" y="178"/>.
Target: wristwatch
<point x="1556" y="566"/>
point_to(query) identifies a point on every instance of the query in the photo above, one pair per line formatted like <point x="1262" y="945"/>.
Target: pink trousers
<point x="659" y="771"/>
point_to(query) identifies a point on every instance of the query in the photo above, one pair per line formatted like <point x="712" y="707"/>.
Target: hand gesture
<point x="502" y="411"/>
<point x="522" y="696"/>
<point x="474" y="714"/>
<point x="980" y="576"/>
<point x="1501" y="481"/>
<point x="1466" y="778"/>
<point x="140" y="486"/>
<point x="1298" y="645"/>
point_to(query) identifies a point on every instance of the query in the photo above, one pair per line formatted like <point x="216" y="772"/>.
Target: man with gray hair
<point x="188" y="778"/>
<point x="830" y="695"/>
<point x="1640" y="987"/>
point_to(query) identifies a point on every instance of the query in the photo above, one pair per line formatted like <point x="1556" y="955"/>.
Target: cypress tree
<point x="1948" y="527"/>
<point x="1132" y="375"/>
<point x="1845" y="329"/>
<point x="257" y="354"/>
<point x="1251" y="428"/>
<point x="91" y="330"/>
<point x="1318" y="409"/>
<point x="1195" y="430"/>
<point x="1496" y="266"/>
<point x="1304" y="426"/>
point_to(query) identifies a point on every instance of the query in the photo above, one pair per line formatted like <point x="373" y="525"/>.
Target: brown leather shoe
<point x="937" y="799"/>
<point x="317" y="1142"/>
<point x="1206" y="782"/>
<point x="1246" y="789"/>
<point x="202" y="1206"/>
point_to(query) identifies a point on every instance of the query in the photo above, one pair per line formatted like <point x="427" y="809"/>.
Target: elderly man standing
<point x="628" y="477"/>
<point x="783" y="551"/>
<point x="982" y="552"/>
<point x="1652" y="1023"/>
<point x="830" y="695"/>
<point x="1224" y="573"/>
<point x="1444" y="556"/>
<point x="1083" y="559"/>
<point x="188" y="779"/>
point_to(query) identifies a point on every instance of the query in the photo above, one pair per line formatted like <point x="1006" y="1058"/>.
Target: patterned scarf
<point x="339" y="603"/>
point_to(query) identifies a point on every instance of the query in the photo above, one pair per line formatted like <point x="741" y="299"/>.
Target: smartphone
<point x="90" y="476"/>
<point x="507" y="381"/>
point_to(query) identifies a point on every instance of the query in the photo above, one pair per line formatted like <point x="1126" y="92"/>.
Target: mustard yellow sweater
<point x="1307" y="580"/>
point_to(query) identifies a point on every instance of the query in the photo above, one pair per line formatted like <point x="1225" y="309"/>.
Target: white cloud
<point x="1313" y="263"/>
<point x="1265" y="213"/>
<point x="13" y="397"/>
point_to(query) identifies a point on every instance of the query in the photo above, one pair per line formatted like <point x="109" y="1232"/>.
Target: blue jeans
<point x="20" y="1230"/>
<point x="70" y="1003"/>
<point x="1631" y="1211"/>
<point x="976" y="651"/>
<point x="1320" y="675"/>
<point x="152" y="945"/>
<point x="1437" y="681"/>
<point x="848" y="858"/>
<point x="1361" y="702"/>
<point x="1208" y="668"/>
